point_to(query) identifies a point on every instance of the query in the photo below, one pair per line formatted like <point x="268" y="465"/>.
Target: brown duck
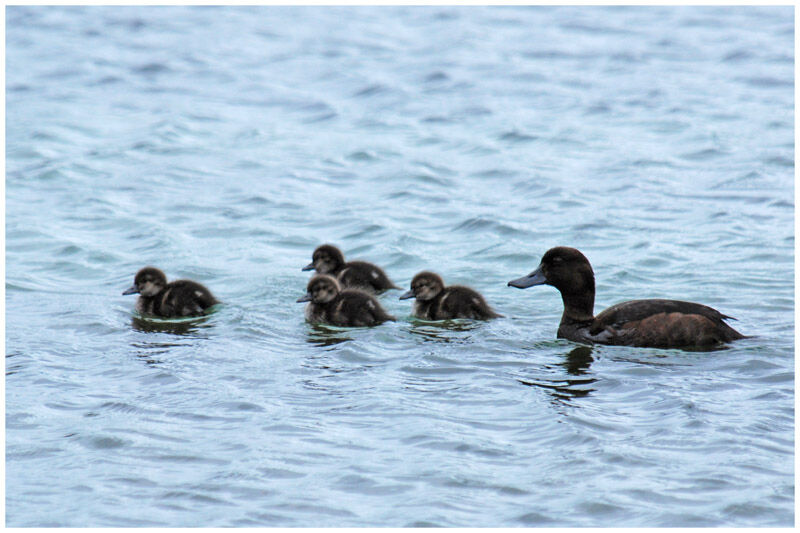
<point x="644" y="323"/>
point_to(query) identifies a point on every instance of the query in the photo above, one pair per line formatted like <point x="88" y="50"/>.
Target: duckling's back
<point x="455" y="302"/>
<point x="355" y="308"/>
<point x="365" y="276"/>
<point x="183" y="298"/>
<point x="463" y="302"/>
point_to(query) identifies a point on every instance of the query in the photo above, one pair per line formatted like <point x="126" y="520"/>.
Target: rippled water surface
<point x="223" y="145"/>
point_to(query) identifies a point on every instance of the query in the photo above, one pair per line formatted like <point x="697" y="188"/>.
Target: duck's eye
<point x="558" y="259"/>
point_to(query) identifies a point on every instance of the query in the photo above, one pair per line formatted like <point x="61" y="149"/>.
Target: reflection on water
<point x="563" y="389"/>
<point x="577" y="362"/>
<point x="442" y="330"/>
<point x="323" y="335"/>
<point x="178" y="326"/>
<point x="148" y="351"/>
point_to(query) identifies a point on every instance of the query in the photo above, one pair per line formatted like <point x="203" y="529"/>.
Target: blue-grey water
<point x="224" y="144"/>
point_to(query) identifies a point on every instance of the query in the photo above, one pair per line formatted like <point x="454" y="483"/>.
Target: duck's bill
<point x="406" y="295"/>
<point x="309" y="266"/>
<point x="131" y="290"/>
<point x="534" y="278"/>
<point x="305" y="298"/>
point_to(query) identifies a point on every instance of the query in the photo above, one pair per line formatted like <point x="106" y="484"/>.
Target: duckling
<point x="643" y="323"/>
<point x="159" y="298"/>
<point x="328" y="259"/>
<point x="329" y="304"/>
<point x="437" y="302"/>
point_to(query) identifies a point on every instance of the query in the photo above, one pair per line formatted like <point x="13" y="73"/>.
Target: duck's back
<point x="365" y="276"/>
<point x="182" y="298"/>
<point x="457" y="302"/>
<point x="663" y="324"/>
<point x="354" y="308"/>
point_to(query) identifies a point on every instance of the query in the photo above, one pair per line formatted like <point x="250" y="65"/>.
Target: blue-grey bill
<point x="534" y="278"/>
<point x="309" y="266"/>
<point x="131" y="290"/>
<point x="306" y="298"/>
<point x="406" y="295"/>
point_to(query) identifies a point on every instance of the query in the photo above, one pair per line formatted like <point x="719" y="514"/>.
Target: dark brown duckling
<point x="644" y="323"/>
<point x="437" y="302"/>
<point x="176" y="299"/>
<point x="328" y="259"/>
<point x="329" y="304"/>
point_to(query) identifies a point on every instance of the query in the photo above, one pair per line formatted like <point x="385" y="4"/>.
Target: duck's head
<point x="424" y="286"/>
<point x="149" y="281"/>
<point x="564" y="268"/>
<point x="321" y="289"/>
<point x="326" y="258"/>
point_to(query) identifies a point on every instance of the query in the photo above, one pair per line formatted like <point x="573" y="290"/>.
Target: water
<point x="223" y="145"/>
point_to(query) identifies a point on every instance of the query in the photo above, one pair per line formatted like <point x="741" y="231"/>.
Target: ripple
<point x="703" y="155"/>
<point x="363" y="485"/>
<point x="517" y="137"/>
<point x="767" y="82"/>
<point x="477" y="224"/>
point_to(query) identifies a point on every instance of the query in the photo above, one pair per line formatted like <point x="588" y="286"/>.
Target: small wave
<point x="599" y="108"/>
<point x="767" y="82"/>
<point x="102" y="443"/>
<point x="362" y="155"/>
<point x="703" y="155"/>
<point x="436" y="119"/>
<point x="516" y="136"/>
<point x="737" y="56"/>
<point x="779" y="161"/>
<point x="437" y="77"/>
<point x="371" y="90"/>
<point x="150" y="68"/>
<point x="484" y="224"/>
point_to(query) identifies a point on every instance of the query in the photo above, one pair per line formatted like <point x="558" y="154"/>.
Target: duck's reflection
<point x="149" y="352"/>
<point x="323" y="335"/>
<point x="185" y="329"/>
<point x="183" y="326"/>
<point x="443" y="330"/>
<point x="576" y="362"/>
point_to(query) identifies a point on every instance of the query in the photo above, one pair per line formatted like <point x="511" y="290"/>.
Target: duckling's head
<point x="326" y="258"/>
<point x="149" y="281"/>
<point x="564" y="268"/>
<point x="424" y="286"/>
<point x="321" y="289"/>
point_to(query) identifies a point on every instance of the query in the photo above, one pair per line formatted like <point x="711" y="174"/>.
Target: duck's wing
<point x="635" y="310"/>
<point x="365" y="275"/>
<point x="471" y="303"/>
<point x="185" y="298"/>
<point x="663" y="323"/>
<point x="357" y="308"/>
